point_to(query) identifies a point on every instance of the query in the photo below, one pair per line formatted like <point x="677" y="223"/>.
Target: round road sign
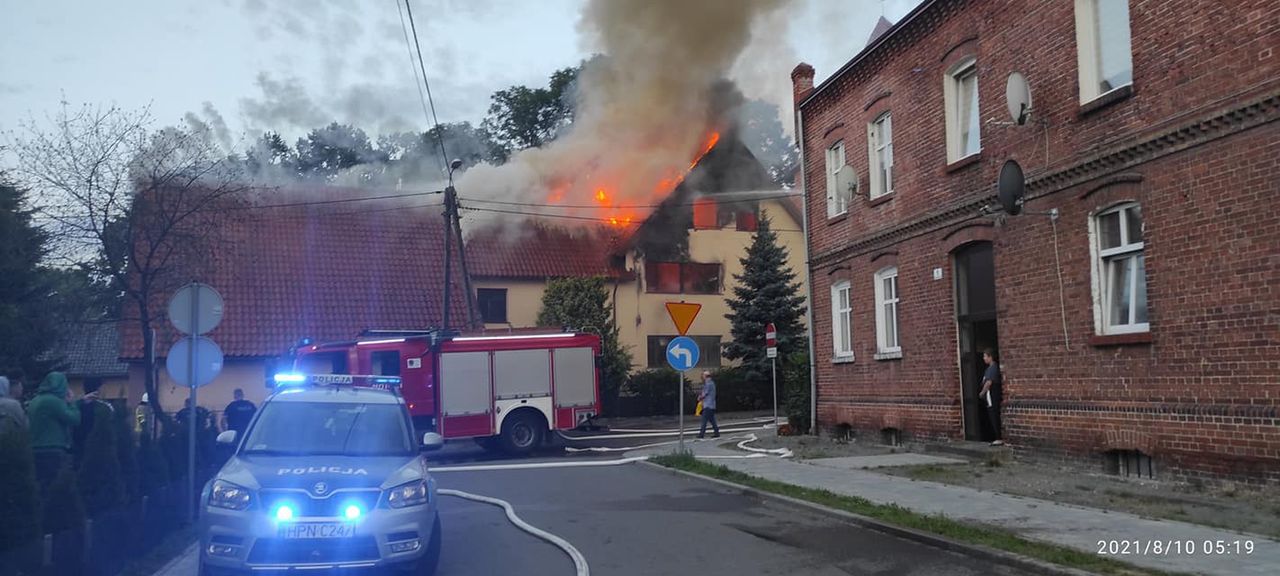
<point x="195" y="309"/>
<point x="208" y="361"/>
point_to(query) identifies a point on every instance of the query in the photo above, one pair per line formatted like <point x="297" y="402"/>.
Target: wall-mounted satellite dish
<point x="1011" y="187"/>
<point x="1018" y="94"/>
<point x="847" y="179"/>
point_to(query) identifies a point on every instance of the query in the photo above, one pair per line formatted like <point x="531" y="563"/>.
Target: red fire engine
<point x="505" y="391"/>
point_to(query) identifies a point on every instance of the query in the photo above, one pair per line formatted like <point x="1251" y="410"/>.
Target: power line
<point x="621" y="206"/>
<point x="327" y="202"/>
<point x="422" y="66"/>
<point x="417" y="80"/>
<point x="580" y="218"/>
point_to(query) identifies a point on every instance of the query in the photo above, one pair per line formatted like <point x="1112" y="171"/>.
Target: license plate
<point x="318" y="530"/>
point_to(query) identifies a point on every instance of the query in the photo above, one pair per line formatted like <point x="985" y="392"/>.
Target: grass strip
<point x="971" y="533"/>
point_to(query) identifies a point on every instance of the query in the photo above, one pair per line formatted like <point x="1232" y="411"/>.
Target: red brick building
<point x="1139" y="324"/>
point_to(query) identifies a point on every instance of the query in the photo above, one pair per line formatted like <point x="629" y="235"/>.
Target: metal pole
<point x="191" y="412"/>
<point x="680" y="408"/>
<point x="448" y="248"/>
<point x="774" y="363"/>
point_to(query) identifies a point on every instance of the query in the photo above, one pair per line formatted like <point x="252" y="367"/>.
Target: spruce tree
<point x="766" y="291"/>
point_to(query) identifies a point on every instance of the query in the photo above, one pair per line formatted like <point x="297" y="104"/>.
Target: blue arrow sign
<point x="682" y="353"/>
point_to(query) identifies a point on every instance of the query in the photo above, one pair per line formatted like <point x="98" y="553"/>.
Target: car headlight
<point x="229" y="496"/>
<point x="410" y="494"/>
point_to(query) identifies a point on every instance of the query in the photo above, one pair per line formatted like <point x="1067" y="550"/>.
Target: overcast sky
<point x="289" y="65"/>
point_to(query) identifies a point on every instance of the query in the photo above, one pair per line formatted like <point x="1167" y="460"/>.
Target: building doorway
<point x="975" y="284"/>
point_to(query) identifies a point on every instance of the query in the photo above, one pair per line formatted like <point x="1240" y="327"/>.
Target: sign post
<point x="771" y="344"/>
<point x="682" y="352"/>
<point x="195" y="309"/>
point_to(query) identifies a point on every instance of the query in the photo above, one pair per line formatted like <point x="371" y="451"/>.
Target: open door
<point x="976" y="328"/>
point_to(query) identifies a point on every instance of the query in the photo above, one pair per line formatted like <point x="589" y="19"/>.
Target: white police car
<point x="326" y="477"/>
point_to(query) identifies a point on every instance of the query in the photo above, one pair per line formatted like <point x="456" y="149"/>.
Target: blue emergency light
<point x="290" y="379"/>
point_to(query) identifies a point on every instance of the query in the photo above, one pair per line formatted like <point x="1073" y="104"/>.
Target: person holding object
<point x="992" y="392"/>
<point x="708" y="399"/>
<point x="53" y="416"/>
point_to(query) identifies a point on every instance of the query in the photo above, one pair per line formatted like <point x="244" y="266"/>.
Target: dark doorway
<point x="976" y="325"/>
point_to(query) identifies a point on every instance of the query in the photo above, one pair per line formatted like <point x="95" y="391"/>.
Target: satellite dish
<point x="847" y="179"/>
<point x="1011" y="187"/>
<point x="1018" y="94"/>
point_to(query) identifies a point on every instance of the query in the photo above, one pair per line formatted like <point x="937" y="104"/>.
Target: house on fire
<point x="1133" y="302"/>
<point x="687" y="250"/>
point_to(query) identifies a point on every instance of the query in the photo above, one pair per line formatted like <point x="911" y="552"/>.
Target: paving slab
<point x="884" y="461"/>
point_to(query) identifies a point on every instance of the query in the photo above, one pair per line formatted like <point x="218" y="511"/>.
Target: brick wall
<point x="1197" y="144"/>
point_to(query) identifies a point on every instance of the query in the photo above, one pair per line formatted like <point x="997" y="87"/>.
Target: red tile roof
<point x="538" y="251"/>
<point x="325" y="272"/>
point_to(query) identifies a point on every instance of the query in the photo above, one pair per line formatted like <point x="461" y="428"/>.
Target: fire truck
<point x="507" y="392"/>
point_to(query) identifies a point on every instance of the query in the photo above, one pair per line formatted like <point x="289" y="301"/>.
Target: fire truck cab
<point x="506" y="391"/>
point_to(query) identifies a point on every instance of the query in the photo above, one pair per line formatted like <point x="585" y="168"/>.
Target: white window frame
<point x="842" y="321"/>
<point x="1101" y="273"/>
<point x="952" y="82"/>
<point x="1089" y="51"/>
<point x="887" y="314"/>
<point x="880" y="138"/>
<point x="837" y="200"/>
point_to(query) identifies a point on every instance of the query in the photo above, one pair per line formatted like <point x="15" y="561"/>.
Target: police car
<point x="329" y="475"/>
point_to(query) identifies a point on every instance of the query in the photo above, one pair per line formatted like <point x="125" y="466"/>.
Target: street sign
<point x="208" y="363"/>
<point x="771" y="352"/>
<point x="682" y="315"/>
<point x="207" y="313"/>
<point x="771" y="341"/>
<point x="682" y="353"/>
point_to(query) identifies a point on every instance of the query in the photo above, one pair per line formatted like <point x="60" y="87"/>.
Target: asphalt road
<point x="635" y="520"/>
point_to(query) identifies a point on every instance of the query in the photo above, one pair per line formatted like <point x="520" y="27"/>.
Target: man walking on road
<point x="708" y="399"/>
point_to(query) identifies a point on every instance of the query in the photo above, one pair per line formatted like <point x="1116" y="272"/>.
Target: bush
<point x="796" y="391"/>
<point x="737" y="391"/>
<point x="100" y="479"/>
<point x="19" y="493"/>
<point x="153" y="467"/>
<point x="655" y="392"/>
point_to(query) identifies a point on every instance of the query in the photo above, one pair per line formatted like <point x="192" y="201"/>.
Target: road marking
<point x="650" y="434"/>
<point x="579" y="561"/>
<point x="539" y="465"/>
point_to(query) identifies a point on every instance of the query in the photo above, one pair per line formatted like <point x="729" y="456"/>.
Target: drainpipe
<point x="808" y="271"/>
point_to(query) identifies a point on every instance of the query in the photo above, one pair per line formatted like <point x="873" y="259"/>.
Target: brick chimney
<point x="801" y="81"/>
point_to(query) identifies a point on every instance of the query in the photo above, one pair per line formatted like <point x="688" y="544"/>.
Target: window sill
<point x="895" y="355"/>
<point x="1118" y="95"/>
<point x="965" y="162"/>
<point x="881" y="199"/>
<point x="842" y="360"/>
<point x="837" y="218"/>
<point x="1101" y="341"/>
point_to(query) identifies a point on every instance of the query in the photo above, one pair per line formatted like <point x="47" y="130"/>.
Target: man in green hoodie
<point x="52" y="415"/>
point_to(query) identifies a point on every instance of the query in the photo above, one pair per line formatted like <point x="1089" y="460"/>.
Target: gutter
<point x="857" y="59"/>
<point x="808" y="271"/>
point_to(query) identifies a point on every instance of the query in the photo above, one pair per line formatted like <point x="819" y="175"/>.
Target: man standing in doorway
<point x="238" y="413"/>
<point x="708" y="398"/>
<point x="992" y="393"/>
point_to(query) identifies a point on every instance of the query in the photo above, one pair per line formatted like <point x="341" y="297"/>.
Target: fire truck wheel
<point x="522" y="432"/>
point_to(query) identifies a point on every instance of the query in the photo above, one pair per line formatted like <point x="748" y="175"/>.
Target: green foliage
<point x="325" y="152"/>
<point x="583" y="303"/>
<point x="63" y="508"/>
<point x="27" y="330"/>
<point x="19" y="493"/>
<point x="655" y="392"/>
<point x="521" y="117"/>
<point x="100" y="477"/>
<point x="796" y="391"/>
<point x="153" y="467"/>
<point x="736" y="391"/>
<point x="766" y="291"/>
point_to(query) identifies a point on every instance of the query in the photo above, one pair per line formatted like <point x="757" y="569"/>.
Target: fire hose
<point x="579" y="561"/>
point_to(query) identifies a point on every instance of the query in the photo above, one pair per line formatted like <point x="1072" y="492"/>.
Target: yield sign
<point x="682" y="315"/>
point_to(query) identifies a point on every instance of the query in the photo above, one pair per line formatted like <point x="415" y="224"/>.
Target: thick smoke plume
<point x="643" y="112"/>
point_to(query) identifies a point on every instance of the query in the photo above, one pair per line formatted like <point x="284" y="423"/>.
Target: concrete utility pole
<point x="453" y="227"/>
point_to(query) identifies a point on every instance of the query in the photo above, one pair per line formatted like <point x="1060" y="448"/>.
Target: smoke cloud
<point x="643" y="112"/>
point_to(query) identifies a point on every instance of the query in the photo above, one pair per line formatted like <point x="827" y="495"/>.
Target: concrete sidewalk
<point x="1085" y="529"/>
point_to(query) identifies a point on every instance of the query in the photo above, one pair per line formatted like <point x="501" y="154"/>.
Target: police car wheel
<point x="521" y="434"/>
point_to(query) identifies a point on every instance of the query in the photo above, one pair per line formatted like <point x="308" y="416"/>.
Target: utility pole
<point x="453" y="227"/>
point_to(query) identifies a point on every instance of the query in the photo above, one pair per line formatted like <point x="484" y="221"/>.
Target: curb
<point x="168" y="566"/>
<point x="983" y="552"/>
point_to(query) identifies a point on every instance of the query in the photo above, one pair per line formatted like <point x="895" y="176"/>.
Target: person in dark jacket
<point x="87" y="406"/>
<point x="53" y="416"/>
<point x="992" y="393"/>
<point x="238" y="413"/>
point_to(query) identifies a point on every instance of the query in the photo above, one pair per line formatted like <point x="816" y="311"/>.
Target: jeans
<point x="993" y="415"/>
<point x="709" y="415"/>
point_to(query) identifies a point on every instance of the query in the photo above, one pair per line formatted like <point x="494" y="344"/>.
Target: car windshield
<point x="330" y="428"/>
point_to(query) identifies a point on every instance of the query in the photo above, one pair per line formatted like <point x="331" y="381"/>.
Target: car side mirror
<point x="432" y="441"/>
<point x="228" y="437"/>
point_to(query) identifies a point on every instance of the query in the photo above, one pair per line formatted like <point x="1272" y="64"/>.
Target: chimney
<point x="801" y="81"/>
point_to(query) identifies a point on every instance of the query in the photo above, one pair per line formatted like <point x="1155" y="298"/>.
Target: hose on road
<point x="579" y="561"/>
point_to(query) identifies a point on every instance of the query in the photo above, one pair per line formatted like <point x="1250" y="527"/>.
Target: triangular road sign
<point x="682" y="315"/>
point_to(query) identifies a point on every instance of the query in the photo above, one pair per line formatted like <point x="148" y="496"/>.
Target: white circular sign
<point x="195" y="309"/>
<point x="208" y="362"/>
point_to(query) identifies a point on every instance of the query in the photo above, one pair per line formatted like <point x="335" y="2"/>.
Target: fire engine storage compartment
<point x="490" y="384"/>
